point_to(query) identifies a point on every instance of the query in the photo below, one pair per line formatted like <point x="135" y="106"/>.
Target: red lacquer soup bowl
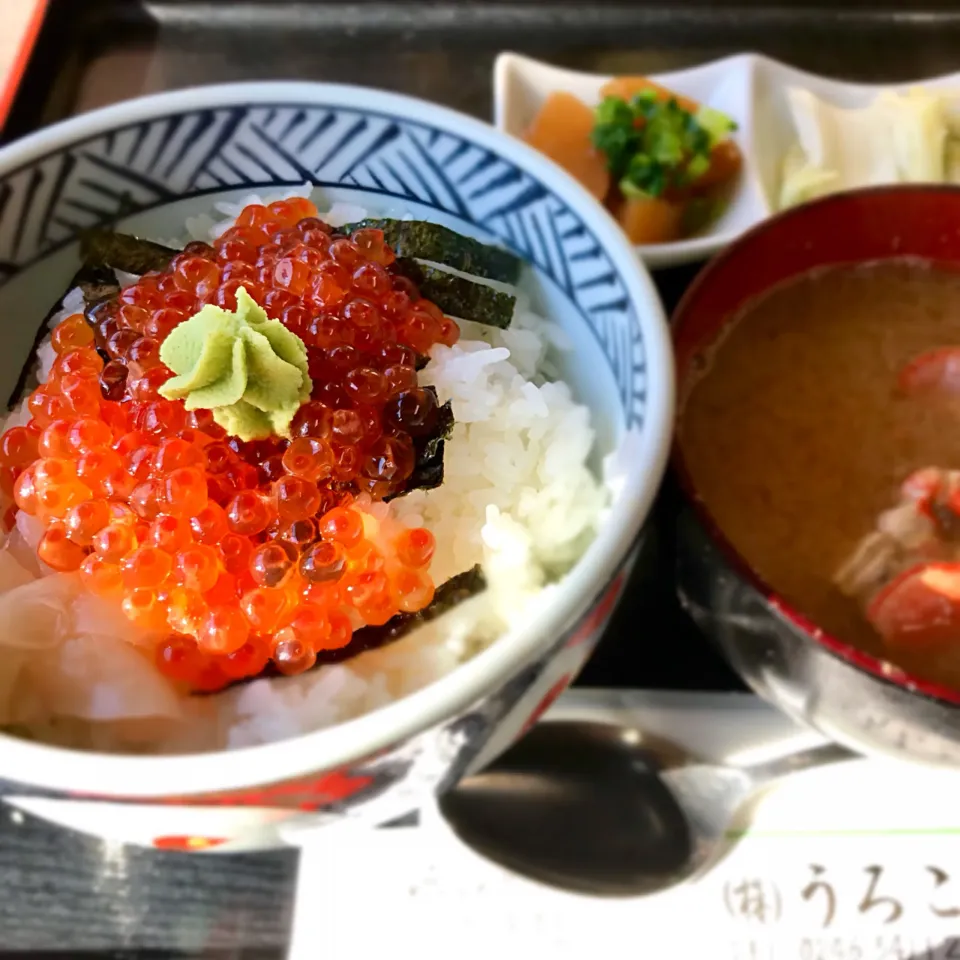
<point x="850" y="696"/>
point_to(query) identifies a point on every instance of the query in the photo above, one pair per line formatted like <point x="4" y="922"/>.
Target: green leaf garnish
<point x="652" y="146"/>
<point x="718" y="125"/>
<point x="615" y="135"/>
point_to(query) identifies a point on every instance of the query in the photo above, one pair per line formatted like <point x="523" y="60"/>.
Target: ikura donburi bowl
<point x="156" y="161"/>
<point x="850" y="696"/>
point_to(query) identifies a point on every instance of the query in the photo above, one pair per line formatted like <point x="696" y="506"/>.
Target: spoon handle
<point x="763" y="773"/>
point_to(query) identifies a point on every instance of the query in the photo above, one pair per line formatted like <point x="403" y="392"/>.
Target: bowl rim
<point x="142" y="777"/>
<point x="878" y="668"/>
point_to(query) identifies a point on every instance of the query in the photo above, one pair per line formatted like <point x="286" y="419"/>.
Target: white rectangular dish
<point x="750" y="88"/>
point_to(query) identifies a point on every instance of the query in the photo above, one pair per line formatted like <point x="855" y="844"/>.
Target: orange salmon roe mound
<point x="239" y="554"/>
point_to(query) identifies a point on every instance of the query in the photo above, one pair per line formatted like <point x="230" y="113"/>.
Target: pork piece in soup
<point x="823" y="435"/>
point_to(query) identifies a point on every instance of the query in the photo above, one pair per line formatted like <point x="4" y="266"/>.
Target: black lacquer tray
<point x="64" y="895"/>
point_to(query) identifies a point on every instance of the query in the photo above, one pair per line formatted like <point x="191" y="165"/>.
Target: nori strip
<point x="431" y="241"/>
<point x="448" y="595"/>
<point x="102" y="250"/>
<point x="100" y="247"/>
<point x="458" y="296"/>
<point x="428" y="470"/>
<point x="96" y="283"/>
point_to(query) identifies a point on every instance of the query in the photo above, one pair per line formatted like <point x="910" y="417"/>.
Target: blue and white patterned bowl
<point x="161" y="159"/>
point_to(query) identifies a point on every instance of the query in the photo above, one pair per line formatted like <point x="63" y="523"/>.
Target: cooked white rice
<point x="517" y="497"/>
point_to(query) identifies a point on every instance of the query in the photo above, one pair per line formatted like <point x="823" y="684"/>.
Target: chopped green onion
<point x="652" y="145"/>
<point x="614" y="133"/>
<point x="631" y="191"/>
<point x="698" y="166"/>
<point x="718" y="125"/>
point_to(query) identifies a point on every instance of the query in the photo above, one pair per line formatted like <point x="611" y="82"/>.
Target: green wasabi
<point x="249" y="370"/>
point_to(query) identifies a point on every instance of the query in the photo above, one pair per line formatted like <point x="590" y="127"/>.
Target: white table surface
<point x="860" y="861"/>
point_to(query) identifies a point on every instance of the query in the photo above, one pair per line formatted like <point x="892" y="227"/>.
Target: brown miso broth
<point x="796" y="436"/>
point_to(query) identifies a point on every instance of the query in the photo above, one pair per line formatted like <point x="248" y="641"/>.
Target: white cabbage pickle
<point x="909" y="137"/>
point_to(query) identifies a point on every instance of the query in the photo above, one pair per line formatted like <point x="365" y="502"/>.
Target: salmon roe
<point x="237" y="554"/>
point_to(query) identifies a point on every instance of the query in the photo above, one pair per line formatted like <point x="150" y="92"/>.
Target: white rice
<point x="517" y="497"/>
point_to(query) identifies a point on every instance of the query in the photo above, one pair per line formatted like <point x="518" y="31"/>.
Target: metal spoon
<point x="600" y="809"/>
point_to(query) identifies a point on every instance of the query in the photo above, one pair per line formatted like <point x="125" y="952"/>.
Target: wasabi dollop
<point x="249" y="370"/>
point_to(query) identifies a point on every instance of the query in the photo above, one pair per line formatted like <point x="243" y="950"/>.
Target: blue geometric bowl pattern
<point x="44" y="204"/>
